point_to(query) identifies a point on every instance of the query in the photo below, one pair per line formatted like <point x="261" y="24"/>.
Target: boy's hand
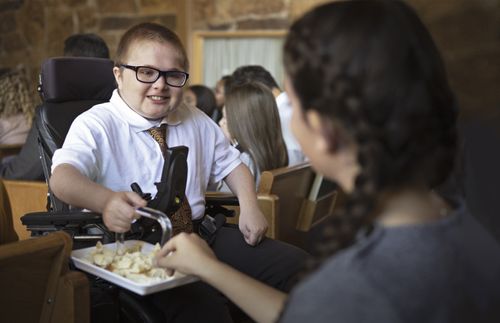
<point x="119" y="210"/>
<point x="253" y="225"/>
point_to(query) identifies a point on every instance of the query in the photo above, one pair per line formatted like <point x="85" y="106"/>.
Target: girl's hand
<point x="186" y="253"/>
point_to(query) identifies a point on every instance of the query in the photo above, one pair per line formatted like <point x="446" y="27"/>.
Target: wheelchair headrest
<point x="76" y="78"/>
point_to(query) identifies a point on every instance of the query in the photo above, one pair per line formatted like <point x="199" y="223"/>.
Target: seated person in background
<point x="220" y="93"/>
<point x="115" y="144"/>
<point x="258" y="73"/>
<point x="85" y="45"/>
<point x="385" y="131"/>
<point x="26" y="165"/>
<point x="201" y="97"/>
<point x="251" y="122"/>
<point x="16" y="106"/>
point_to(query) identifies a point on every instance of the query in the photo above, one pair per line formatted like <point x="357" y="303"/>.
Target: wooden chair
<point x="36" y="284"/>
<point x="25" y="197"/>
<point x="294" y="199"/>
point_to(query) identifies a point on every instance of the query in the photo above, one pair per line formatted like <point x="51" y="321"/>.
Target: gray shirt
<point x="445" y="271"/>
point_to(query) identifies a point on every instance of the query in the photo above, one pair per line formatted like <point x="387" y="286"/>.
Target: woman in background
<point x="251" y="122"/>
<point x="16" y="106"/>
<point x="220" y="96"/>
<point x="201" y="97"/>
<point x="373" y="111"/>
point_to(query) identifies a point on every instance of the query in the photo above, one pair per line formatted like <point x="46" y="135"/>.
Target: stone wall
<point x="466" y="31"/>
<point x="32" y="30"/>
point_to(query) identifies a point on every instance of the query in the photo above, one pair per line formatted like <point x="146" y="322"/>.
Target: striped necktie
<point x="182" y="218"/>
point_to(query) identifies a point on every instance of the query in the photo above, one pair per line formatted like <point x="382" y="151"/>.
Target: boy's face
<point x="150" y="100"/>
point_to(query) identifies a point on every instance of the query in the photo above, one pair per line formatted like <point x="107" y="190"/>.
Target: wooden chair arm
<point x="269" y="206"/>
<point x="25" y="197"/>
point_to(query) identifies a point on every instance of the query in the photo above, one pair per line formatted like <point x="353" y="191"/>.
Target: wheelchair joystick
<point x="161" y="218"/>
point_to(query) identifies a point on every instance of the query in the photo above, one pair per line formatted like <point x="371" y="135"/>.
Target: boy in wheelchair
<point x="125" y="141"/>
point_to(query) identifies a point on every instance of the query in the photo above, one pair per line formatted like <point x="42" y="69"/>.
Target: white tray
<point x="80" y="258"/>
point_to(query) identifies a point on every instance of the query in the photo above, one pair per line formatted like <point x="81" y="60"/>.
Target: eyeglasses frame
<point x="160" y="74"/>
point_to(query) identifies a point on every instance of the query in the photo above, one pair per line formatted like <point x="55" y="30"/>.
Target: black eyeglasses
<point x="147" y="74"/>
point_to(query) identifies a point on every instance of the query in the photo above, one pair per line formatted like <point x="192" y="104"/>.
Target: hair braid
<point x="386" y="90"/>
<point x="341" y="229"/>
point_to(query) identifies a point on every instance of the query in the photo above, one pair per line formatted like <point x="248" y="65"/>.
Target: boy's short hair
<point x="85" y="45"/>
<point x="149" y="32"/>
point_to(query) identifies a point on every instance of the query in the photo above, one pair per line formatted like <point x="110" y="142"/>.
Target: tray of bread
<point x="132" y="269"/>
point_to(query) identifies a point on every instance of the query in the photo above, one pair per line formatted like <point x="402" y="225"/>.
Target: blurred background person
<point x="26" y="165"/>
<point x="258" y="73"/>
<point x="16" y="106"/>
<point x="85" y="45"/>
<point x="201" y="97"/>
<point x="251" y="122"/>
<point x="220" y="92"/>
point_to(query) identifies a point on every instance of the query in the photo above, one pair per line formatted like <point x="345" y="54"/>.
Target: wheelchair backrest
<point x="68" y="86"/>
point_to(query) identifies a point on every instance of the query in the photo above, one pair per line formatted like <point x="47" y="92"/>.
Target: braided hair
<point x="373" y="68"/>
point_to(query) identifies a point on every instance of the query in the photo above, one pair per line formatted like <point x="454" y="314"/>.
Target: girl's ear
<point x="327" y="136"/>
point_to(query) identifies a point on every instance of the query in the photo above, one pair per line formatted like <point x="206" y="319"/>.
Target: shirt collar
<point x="137" y="122"/>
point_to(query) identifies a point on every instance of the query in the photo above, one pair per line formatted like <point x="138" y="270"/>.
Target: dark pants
<point x="196" y="302"/>
<point x="272" y="262"/>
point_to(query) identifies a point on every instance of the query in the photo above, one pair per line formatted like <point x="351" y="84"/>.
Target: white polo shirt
<point x="110" y="144"/>
<point x="295" y="154"/>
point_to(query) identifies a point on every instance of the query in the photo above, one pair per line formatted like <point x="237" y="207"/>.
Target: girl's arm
<point x="189" y="254"/>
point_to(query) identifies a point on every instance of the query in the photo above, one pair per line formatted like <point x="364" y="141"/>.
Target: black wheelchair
<point x="69" y="86"/>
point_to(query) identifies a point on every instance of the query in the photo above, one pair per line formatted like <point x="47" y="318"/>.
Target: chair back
<point x="68" y="86"/>
<point x="295" y="197"/>
<point x="36" y="285"/>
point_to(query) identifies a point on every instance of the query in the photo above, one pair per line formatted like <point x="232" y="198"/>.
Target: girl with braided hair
<point x="373" y="111"/>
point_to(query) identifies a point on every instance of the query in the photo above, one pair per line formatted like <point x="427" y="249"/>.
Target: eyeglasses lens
<point x="149" y="75"/>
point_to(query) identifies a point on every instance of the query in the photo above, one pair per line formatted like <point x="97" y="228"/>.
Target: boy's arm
<point x="117" y="208"/>
<point x="252" y="222"/>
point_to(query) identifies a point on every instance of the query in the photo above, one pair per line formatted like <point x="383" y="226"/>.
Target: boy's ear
<point x="326" y="134"/>
<point x="117" y="73"/>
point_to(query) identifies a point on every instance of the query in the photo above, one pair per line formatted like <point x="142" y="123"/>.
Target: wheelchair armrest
<point x="215" y="202"/>
<point x="218" y="198"/>
<point x="60" y="219"/>
<point x="86" y="228"/>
